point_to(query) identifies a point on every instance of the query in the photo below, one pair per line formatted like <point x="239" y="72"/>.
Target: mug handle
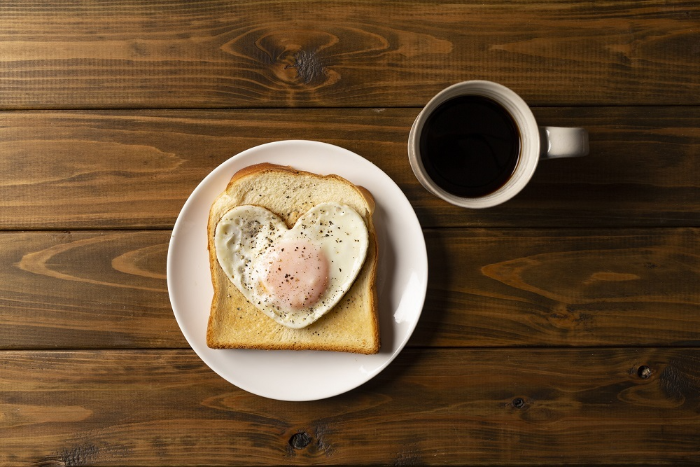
<point x="556" y="142"/>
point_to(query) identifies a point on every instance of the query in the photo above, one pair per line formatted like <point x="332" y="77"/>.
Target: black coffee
<point x="470" y="146"/>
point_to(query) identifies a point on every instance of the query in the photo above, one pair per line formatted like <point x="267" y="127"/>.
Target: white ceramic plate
<point x="402" y="278"/>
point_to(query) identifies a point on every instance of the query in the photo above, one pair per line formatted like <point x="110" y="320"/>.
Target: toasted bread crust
<point x="257" y="169"/>
<point x="352" y="326"/>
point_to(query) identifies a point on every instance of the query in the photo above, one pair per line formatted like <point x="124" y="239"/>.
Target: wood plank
<point x="73" y="170"/>
<point x="487" y="288"/>
<point x="176" y="53"/>
<point x="492" y="287"/>
<point x="506" y="407"/>
<point x="85" y="290"/>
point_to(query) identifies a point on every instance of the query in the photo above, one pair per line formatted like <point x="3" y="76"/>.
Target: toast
<point x="352" y="325"/>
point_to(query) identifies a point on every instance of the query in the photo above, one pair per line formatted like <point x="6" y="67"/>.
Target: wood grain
<point x="73" y="170"/>
<point x="175" y="53"/>
<point x="522" y="287"/>
<point x="611" y="406"/>
<point x="85" y="290"/>
<point x="487" y="288"/>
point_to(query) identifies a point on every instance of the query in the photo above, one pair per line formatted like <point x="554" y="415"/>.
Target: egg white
<point x="246" y="233"/>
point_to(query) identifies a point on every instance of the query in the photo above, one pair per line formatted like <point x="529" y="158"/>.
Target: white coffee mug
<point x="535" y="142"/>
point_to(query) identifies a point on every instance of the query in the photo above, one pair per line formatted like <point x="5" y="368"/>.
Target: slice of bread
<point x="234" y="323"/>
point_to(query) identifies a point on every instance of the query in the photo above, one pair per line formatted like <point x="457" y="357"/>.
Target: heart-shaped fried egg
<point x="292" y="275"/>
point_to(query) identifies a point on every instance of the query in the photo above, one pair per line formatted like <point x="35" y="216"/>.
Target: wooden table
<point x="560" y="328"/>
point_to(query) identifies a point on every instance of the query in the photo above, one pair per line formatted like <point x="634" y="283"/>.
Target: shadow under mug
<point x="536" y="143"/>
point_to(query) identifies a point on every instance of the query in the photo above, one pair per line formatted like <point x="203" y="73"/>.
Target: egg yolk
<point x="297" y="274"/>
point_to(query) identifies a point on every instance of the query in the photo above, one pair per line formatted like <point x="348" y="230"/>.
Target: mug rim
<point x="529" y="142"/>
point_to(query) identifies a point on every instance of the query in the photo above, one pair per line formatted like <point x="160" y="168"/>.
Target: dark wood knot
<point x="518" y="402"/>
<point x="644" y="372"/>
<point x="300" y="440"/>
<point x="308" y="66"/>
